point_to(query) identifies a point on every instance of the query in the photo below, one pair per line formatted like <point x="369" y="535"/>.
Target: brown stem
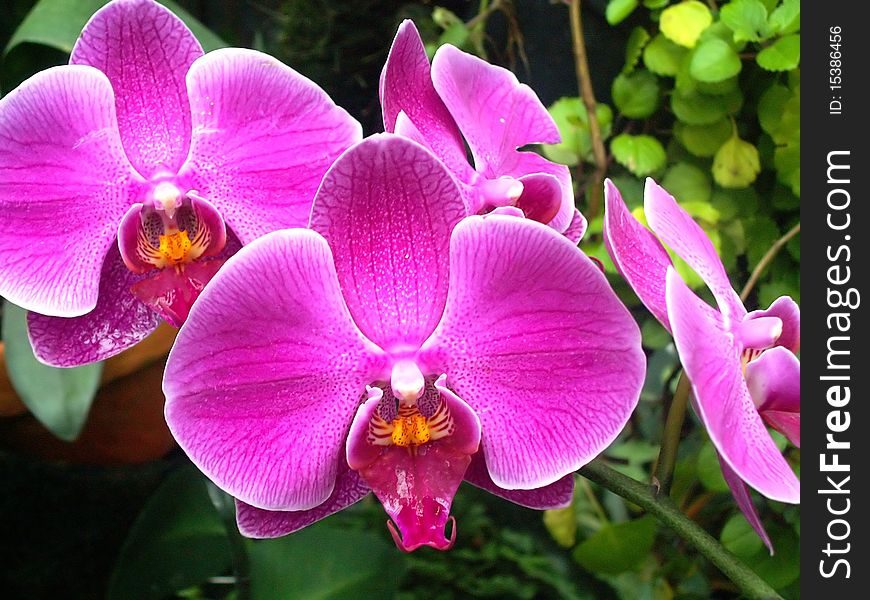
<point x="766" y="260"/>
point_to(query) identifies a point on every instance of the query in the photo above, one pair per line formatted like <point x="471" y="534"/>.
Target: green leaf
<point x="771" y="106"/>
<point x="57" y="23"/>
<point x="59" y="398"/>
<point x="561" y="523"/>
<point x="571" y="119"/>
<point x="698" y="109"/>
<point x="614" y="549"/>
<point x="762" y="231"/>
<point x="703" y="140"/>
<point x="688" y="183"/>
<point x="747" y="19"/>
<point x="786" y="18"/>
<point x="709" y="469"/>
<point x="177" y="541"/>
<point x="634" y="48"/>
<point x="683" y="23"/>
<point x="783" y="55"/>
<point x="662" y="56"/>
<point x="619" y="10"/>
<point x="322" y="562"/>
<point x="736" y="163"/>
<point x="636" y="95"/>
<point x="739" y="537"/>
<point x="787" y="160"/>
<point x="783" y="567"/>
<point x="655" y="4"/>
<point x="640" y="154"/>
<point x="714" y="60"/>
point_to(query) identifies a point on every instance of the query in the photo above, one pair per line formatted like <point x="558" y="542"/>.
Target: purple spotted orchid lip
<point x="177" y="155"/>
<point x="462" y="98"/>
<point x="400" y="347"/>
<point x="743" y="365"/>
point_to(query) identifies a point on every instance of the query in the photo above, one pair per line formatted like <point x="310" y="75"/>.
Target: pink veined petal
<point x="523" y="164"/>
<point x="258" y="523"/>
<point x="387" y="207"/>
<point x="406" y="87"/>
<point x="266" y="373"/>
<point x="774" y="381"/>
<point x="64" y="185"/>
<point x="539" y="346"/>
<point x="145" y="50"/>
<point x="496" y="113"/>
<point x="263" y="137"/>
<point x="744" y="502"/>
<point x="639" y="257"/>
<point x="555" y="495"/>
<point x="118" y="321"/>
<point x="678" y="230"/>
<point x="713" y="364"/>
<point x="577" y="227"/>
<point x="789" y="313"/>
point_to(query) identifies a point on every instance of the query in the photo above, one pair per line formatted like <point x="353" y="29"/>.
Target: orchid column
<point x="400" y="347"/>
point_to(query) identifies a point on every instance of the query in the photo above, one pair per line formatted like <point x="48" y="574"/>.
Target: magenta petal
<point x="117" y="322"/>
<point x="521" y="165"/>
<point x="676" y="228"/>
<point x="555" y="495"/>
<point x="713" y="364"/>
<point x="263" y="137"/>
<point x="145" y="50"/>
<point x="496" y="113"/>
<point x="541" y="198"/>
<point x="744" y="502"/>
<point x="266" y="373"/>
<point x="639" y="257"/>
<point x="64" y="185"/>
<point x="258" y="523"/>
<point x="406" y="87"/>
<point x="531" y="324"/>
<point x="789" y="313"/>
<point x="774" y="381"/>
<point x="577" y="227"/>
<point x="387" y="207"/>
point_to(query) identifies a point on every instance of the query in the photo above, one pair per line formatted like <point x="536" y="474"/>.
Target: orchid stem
<point x="664" y="470"/>
<point x="594" y="188"/>
<point x="664" y="509"/>
<point x="767" y="259"/>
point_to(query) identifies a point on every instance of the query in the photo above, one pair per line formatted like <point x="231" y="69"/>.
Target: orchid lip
<point x="435" y="539"/>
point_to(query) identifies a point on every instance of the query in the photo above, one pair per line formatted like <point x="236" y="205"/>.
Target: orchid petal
<point x="258" y="523"/>
<point x="406" y="88"/>
<point x="555" y="495"/>
<point x="531" y="324"/>
<point x="712" y="362"/>
<point x="577" y="227"/>
<point x="521" y="165"/>
<point x="789" y="313"/>
<point x="774" y="381"/>
<point x="171" y="293"/>
<point x="678" y="230"/>
<point x="541" y="198"/>
<point x="639" y="257"/>
<point x="386" y="208"/>
<point x="263" y="137"/>
<point x="744" y="502"/>
<point x="64" y="184"/>
<point x="145" y="50"/>
<point x="266" y="373"/>
<point x="118" y="321"/>
<point x="496" y="113"/>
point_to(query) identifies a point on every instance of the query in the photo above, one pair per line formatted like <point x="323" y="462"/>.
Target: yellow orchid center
<point x="175" y="247"/>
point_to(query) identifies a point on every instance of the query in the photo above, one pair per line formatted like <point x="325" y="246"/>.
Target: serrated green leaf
<point x="688" y="183"/>
<point x="177" y="541"/>
<point x="636" y="95"/>
<point x="640" y="154"/>
<point x="683" y="23"/>
<point x="703" y="140"/>
<point x="655" y="4"/>
<point x="570" y="117"/>
<point x="736" y="163"/>
<point x="783" y="55"/>
<point x="719" y="88"/>
<point x="747" y="19"/>
<point x="739" y="537"/>
<point x="787" y="160"/>
<point x="662" y="56"/>
<point x="786" y="18"/>
<point x="783" y="567"/>
<point x="59" y="398"/>
<point x="771" y="106"/>
<point x="634" y="48"/>
<point x="57" y="23"/>
<point x="614" y="549"/>
<point x="714" y="60"/>
<point x="698" y="109"/>
<point x="762" y="231"/>
<point x="619" y="10"/>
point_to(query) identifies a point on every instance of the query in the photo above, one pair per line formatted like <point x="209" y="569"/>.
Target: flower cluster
<point x="378" y="315"/>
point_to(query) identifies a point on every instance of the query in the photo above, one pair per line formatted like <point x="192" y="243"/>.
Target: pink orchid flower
<point x="400" y="347"/>
<point x="144" y="140"/>
<point x="742" y="365"/>
<point x="462" y="96"/>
